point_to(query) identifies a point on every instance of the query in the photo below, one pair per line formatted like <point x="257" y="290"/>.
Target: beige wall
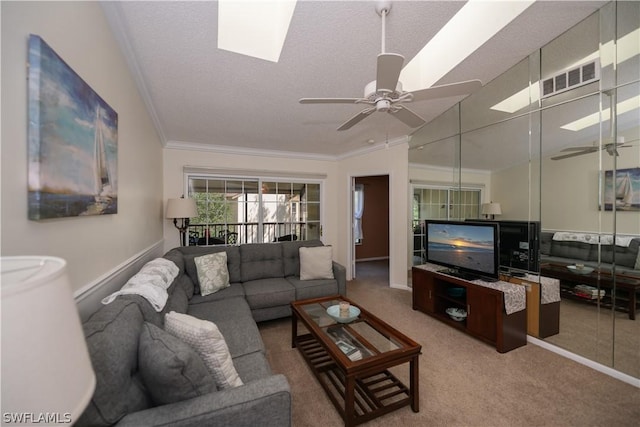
<point x="93" y="246"/>
<point x="390" y="161"/>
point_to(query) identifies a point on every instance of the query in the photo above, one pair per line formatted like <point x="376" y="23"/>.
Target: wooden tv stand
<point x="486" y="319"/>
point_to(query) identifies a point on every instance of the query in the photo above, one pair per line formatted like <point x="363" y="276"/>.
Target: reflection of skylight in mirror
<point x="475" y="23"/>
<point x="593" y="119"/>
<point x="628" y="47"/>
<point x="254" y="28"/>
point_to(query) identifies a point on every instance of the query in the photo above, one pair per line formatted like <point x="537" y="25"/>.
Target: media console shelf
<point x="487" y="317"/>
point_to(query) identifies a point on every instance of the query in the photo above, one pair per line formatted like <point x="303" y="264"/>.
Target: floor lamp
<point x="181" y="209"/>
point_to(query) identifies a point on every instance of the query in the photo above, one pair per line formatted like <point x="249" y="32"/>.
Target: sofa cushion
<point x="291" y="255"/>
<point x="625" y="256"/>
<point x="574" y="250"/>
<point x="112" y="334"/>
<point x="208" y="342"/>
<point x="268" y="292"/>
<point x="233" y="290"/>
<point x="260" y="261"/>
<point x="177" y="301"/>
<point x="171" y="370"/>
<point x="306" y="289"/>
<point x="316" y="263"/>
<point x="213" y="274"/>
<point x="234" y="319"/>
<point x="251" y="367"/>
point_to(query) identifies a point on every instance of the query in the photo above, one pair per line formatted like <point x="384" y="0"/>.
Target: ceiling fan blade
<point x="388" y="72"/>
<point x="586" y="149"/>
<point x="408" y="117"/>
<point x="566" y="156"/>
<point x="329" y="100"/>
<point x="357" y="118"/>
<point x="444" y="91"/>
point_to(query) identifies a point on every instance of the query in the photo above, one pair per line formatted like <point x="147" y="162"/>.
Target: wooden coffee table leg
<point x="294" y="329"/>
<point x="349" y="401"/>
<point x="414" y="386"/>
<point x="632" y="304"/>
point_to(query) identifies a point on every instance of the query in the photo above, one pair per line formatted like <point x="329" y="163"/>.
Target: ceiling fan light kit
<point x="385" y="94"/>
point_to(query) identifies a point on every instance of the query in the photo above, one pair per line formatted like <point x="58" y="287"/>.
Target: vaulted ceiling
<point x="200" y="96"/>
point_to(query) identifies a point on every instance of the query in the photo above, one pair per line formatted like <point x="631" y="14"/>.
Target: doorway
<point x="370" y="228"/>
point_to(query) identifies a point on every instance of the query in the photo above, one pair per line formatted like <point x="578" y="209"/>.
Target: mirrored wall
<point x="562" y="148"/>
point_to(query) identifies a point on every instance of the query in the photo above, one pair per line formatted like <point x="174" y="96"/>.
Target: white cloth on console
<point x="151" y="282"/>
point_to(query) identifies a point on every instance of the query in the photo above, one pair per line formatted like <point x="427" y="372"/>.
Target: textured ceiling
<point x="203" y="97"/>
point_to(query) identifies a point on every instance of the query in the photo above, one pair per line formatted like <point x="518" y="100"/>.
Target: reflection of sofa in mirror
<point x="583" y="248"/>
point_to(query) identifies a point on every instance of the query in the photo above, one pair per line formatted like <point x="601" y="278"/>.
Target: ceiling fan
<point x="385" y="94"/>
<point x="610" y="147"/>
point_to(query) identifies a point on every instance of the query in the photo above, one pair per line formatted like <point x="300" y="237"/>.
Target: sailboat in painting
<point x="624" y="191"/>
<point x="103" y="191"/>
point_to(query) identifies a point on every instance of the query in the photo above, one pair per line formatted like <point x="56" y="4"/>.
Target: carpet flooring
<point x="463" y="382"/>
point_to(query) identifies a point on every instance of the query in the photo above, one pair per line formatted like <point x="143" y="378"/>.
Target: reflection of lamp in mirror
<point x="183" y="209"/>
<point x="491" y="209"/>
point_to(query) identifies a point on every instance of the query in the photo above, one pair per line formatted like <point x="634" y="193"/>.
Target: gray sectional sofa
<point x="573" y="249"/>
<point x="264" y="280"/>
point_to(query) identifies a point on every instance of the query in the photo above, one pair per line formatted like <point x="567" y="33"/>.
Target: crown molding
<point x="243" y="151"/>
<point x="114" y="18"/>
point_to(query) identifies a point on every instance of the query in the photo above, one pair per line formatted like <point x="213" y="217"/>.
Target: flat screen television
<point x="470" y="250"/>
<point x="519" y="246"/>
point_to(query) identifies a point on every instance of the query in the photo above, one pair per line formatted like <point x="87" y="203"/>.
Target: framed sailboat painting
<point x="624" y="191"/>
<point x="72" y="141"/>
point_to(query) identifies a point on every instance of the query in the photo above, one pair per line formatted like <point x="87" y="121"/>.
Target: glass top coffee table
<point x="352" y="360"/>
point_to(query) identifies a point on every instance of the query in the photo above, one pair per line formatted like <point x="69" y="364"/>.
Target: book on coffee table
<point x="349" y="350"/>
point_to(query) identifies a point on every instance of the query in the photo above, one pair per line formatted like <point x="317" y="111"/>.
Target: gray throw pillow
<point x="171" y="370"/>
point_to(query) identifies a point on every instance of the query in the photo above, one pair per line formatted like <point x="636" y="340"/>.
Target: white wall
<point x="174" y="186"/>
<point x="391" y="161"/>
<point x="95" y="245"/>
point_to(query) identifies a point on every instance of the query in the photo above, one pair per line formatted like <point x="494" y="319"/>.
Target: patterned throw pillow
<point x="213" y="273"/>
<point x="316" y="263"/>
<point x="171" y="370"/>
<point x="208" y="342"/>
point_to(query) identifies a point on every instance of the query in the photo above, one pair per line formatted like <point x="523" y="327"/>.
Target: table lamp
<point x="182" y="209"/>
<point x="47" y="376"/>
<point x="491" y="209"/>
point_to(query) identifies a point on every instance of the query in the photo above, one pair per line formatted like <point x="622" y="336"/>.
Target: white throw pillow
<point x="213" y="273"/>
<point x="316" y="263"/>
<point x="208" y="342"/>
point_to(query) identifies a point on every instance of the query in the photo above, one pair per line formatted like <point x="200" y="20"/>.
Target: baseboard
<point x="403" y="287"/>
<point x="584" y="361"/>
<point x="89" y="297"/>
<point x="372" y="259"/>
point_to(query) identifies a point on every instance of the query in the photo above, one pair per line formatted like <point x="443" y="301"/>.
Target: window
<point x="252" y="210"/>
<point x="437" y="202"/>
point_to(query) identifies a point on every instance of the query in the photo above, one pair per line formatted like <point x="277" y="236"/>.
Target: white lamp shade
<point x="181" y="208"/>
<point x="45" y="363"/>
<point x="491" y="209"/>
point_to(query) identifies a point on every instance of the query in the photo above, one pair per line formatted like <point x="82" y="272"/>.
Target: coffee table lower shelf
<point x="374" y="394"/>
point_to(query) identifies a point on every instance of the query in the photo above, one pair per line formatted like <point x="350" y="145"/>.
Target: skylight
<point x="593" y="119"/>
<point x="254" y="28"/>
<point x="474" y="24"/>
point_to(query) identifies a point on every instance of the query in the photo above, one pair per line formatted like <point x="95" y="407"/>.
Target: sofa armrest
<point x="340" y="274"/>
<point x="264" y="402"/>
